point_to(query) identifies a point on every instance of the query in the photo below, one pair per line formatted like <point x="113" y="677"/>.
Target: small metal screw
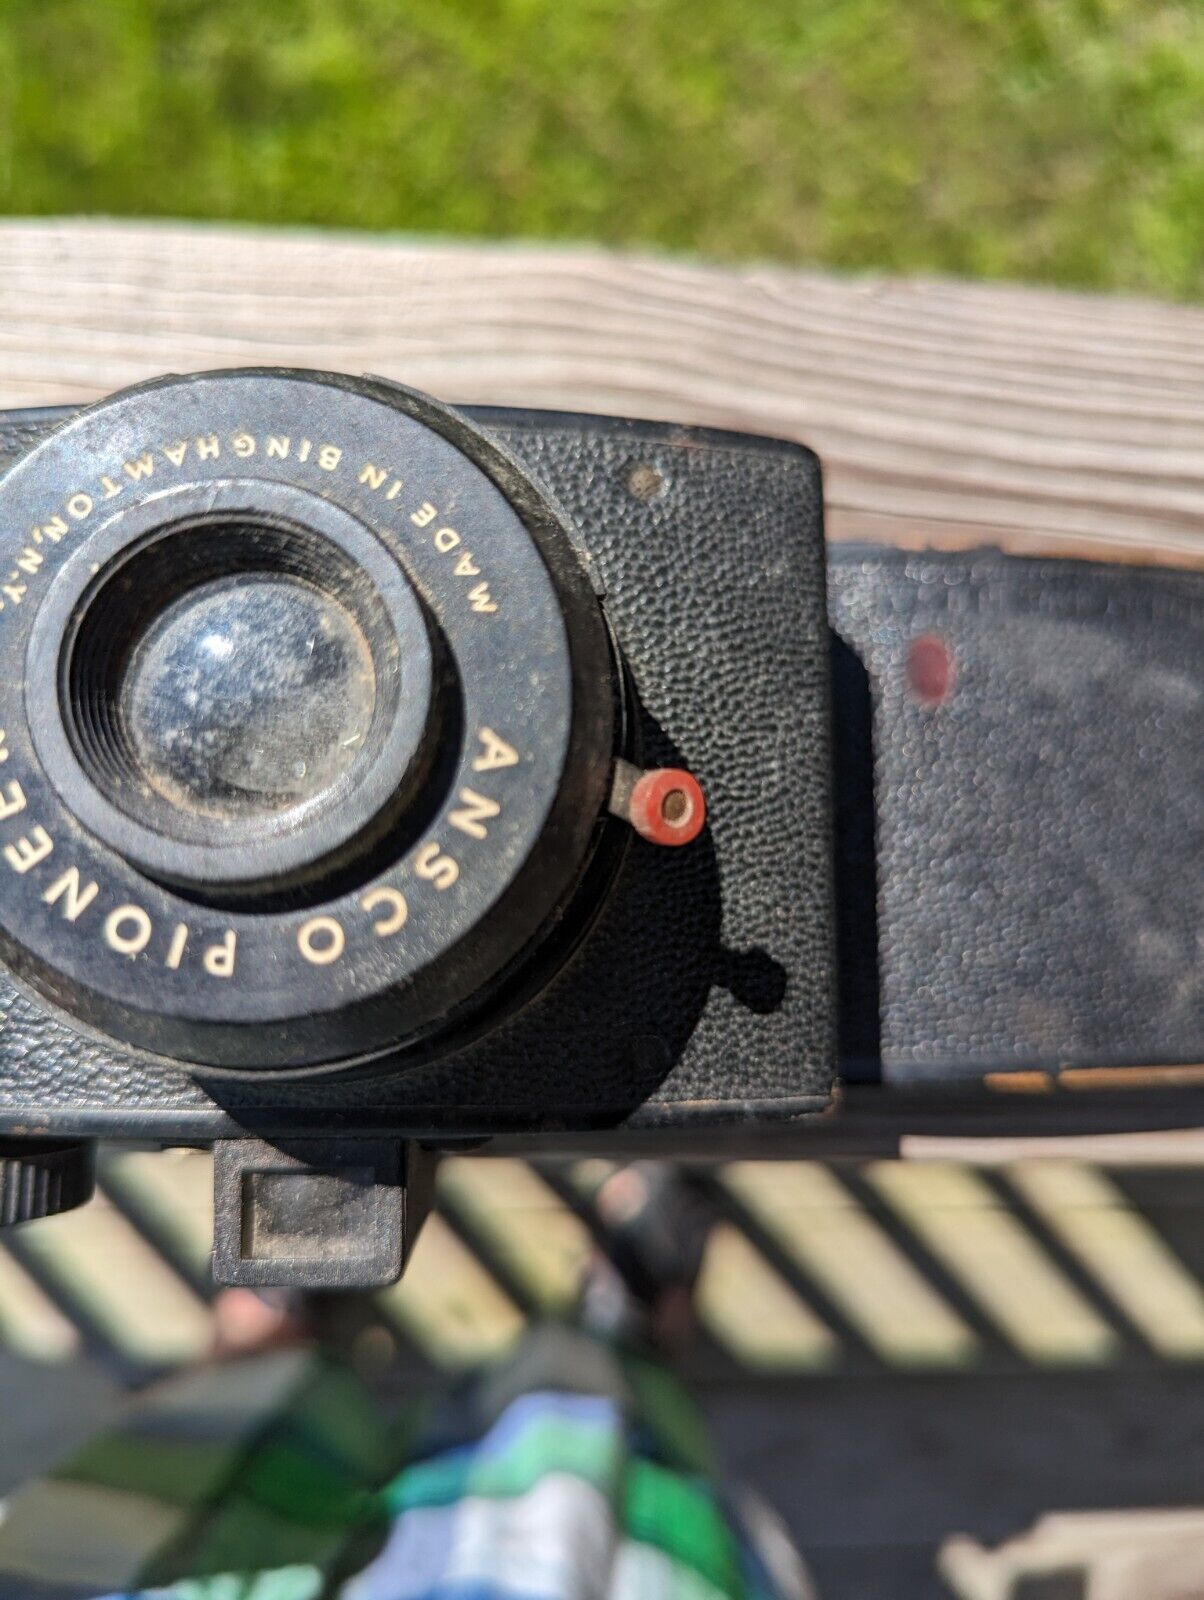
<point x="645" y="482"/>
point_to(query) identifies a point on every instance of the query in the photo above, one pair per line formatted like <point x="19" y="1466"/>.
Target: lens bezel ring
<point x="300" y="838"/>
<point x="525" y="633"/>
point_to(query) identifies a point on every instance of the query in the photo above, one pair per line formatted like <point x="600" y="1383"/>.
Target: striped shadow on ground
<point x="925" y="1265"/>
<point x="1121" y="1251"/>
<point x="104" y="1273"/>
<point x="966" y="1226"/>
<point x="821" y="1227"/>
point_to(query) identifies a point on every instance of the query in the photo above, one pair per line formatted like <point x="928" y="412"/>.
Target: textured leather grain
<point x="1039" y="849"/>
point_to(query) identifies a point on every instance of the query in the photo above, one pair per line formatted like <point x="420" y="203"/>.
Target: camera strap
<point x="1020" y="814"/>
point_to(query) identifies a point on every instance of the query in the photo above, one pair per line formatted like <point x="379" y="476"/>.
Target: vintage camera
<point x="378" y="778"/>
<point x="376" y="773"/>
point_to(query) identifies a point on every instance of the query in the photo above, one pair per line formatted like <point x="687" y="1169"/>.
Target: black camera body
<point x="328" y="712"/>
<point x="378" y="777"/>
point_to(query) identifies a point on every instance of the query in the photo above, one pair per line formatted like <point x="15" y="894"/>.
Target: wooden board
<point x="945" y="413"/>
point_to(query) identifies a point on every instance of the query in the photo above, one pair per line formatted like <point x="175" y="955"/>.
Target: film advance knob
<point x="41" y="1178"/>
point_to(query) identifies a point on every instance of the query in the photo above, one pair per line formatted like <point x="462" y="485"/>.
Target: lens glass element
<point x="248" y="695"/>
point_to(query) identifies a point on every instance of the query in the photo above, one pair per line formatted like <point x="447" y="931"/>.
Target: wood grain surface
<point x="945" y="413"/>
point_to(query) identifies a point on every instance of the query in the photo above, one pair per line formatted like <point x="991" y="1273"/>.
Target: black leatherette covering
<point x="705" y="987"/>
<point x="1018" y="858"/>
<point x="1039" y="857"/>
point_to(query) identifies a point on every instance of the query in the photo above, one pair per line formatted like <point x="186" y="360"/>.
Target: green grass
<point x="1060" y="140"/>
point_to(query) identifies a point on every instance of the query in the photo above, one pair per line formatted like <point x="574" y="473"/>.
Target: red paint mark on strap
<point x="930" y="669"/>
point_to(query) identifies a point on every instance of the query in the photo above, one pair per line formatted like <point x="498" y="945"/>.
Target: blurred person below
<point x="577" y="1467"/>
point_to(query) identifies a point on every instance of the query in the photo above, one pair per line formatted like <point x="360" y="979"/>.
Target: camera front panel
<point x="654" y="601"/>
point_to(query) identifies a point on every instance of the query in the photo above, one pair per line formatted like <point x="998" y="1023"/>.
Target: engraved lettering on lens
<point x="29" y="850"/>
<point x="76" y="895"/>
<point x="435" y="867"/>
<point x="495" y="752"/>
<point x="179" y="943"/>
<point x="475" y="810"/>
<point x="321" y="940"/>
<point x="218" y="959"/>
<point x="445" y="541"/>
<point x="15" y="801"/>
<point x="244" y="445"/>
<point x="374" y="477"/>
<point x="397" y="915"/>
<point x="128" y="930"/>
<point x="168" y="597"/>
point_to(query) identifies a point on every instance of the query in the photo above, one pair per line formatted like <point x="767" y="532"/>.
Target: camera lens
<point x="242" y="698"/>
<point x="248" y="695"/>
<point x="310" y="715"/>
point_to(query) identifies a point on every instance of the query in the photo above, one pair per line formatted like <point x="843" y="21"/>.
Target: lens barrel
<point x="309" y="717"/>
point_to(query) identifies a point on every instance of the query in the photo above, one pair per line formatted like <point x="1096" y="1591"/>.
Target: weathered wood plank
<point x="945" y="413"/>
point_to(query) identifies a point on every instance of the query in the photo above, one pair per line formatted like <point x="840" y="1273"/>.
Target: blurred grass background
<point x="1057" y="140"/>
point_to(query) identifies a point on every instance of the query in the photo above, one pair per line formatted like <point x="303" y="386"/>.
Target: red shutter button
<point x="665" y="805"/>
